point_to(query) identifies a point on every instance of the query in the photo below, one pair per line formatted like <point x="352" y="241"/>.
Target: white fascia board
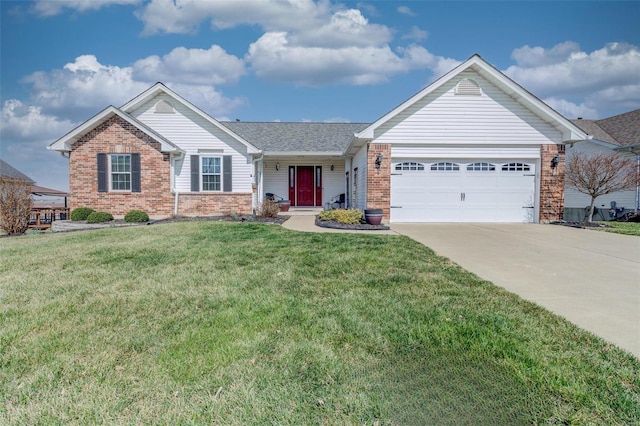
<point x="65" y="143"/>
<point x="303" y="153"/>
<point x="161" y="88"/>
<point x="355" y="144"/>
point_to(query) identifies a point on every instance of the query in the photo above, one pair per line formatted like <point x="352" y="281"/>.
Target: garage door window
<point x="515" y="167"/>
<point x="409" y="165"/>
<point x="481" y="167"/>
<point x="445" y="167"/>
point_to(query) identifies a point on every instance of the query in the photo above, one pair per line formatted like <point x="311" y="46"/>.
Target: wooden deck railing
<point x="42" y="217"/>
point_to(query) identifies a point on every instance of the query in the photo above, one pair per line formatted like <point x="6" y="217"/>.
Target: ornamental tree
<point x="599" y="174"/>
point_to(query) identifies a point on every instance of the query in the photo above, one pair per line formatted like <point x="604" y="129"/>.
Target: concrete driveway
<point x="591" y="278"/>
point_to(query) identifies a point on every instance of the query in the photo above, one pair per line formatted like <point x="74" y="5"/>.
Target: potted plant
<point x="284" y="205"/>
<point x="373" y="216"/>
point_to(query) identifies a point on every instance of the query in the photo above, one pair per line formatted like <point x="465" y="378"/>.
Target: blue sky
<point x="261" y="60"/>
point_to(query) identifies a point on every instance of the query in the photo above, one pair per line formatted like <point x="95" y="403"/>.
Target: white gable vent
<point x="164" y="107"/>
<point x="468" y="87"/>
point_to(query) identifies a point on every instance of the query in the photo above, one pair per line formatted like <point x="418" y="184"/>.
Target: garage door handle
<point x="462" y="196"/>
<point x="395" y="207"/>
<point x="528" y="207"/>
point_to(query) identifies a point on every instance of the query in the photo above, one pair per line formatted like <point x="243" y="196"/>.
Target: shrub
<point x="346" y="216"/>
<point x="15" y="205"/>
<point x="99" y="217"/>
<point x="81" y="213"/>
<point x="136" y="216"/>
<point x="268" y="209"/>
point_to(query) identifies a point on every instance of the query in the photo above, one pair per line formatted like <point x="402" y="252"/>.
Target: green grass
<point x="202" y="323"/>
<point x="627" y="228"/>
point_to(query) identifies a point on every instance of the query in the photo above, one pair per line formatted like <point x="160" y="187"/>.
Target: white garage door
<point x="463" y="191"/>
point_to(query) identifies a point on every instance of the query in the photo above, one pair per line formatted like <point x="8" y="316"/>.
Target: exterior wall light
<point x="332" y="167"/>
<point x="277" y="166"/>
<point x="378" y="161"/>
<point x="554" y="161"/>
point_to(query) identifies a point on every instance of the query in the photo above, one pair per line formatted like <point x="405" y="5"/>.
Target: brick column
<point x="379" y="180"/>
<point x="551" y="184"/>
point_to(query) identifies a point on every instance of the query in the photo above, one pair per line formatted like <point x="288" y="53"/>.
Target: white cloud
<point x="570" y="109"/>
<point x="405" y="10"/>
<point x="605" y="79"/>
<point x="273" y="58"/>
<point x="185" y="16"/>
<point x="528" y="57"/>
<point x="85" y="86"/>
<point x="195" y="66"/>
<point x="27" y="123"/>
<point x="416" y="34"/>
<point x="25" y="133"/>
<point x="51" y="7"/>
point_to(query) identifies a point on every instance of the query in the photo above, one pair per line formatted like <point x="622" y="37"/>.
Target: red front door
<point x="304" y="187"/>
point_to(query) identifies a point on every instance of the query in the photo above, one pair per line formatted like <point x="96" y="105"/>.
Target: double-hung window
<point x="211" y="173"/>
<point x="120" y="172"/>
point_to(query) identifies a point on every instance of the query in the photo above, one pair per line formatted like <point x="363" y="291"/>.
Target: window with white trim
<point x="211" y="173"/>
<point x="445" y="167"/>
<point x="410" y="165"/>
<point x="120" y="172"/>
<point x="515" y="167"/>
<point x="481" y="167"/>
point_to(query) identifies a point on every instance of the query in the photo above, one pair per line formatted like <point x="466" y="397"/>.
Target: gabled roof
<point x="8" y="171"/>
<point x="297" y="138"/>
<point x="65" y="143"/>
<point x="622" y="130"/>
<point x="569" y="130"/>
<point x="159" y="88"/>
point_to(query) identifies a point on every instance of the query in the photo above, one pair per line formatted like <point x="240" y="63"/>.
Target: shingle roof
<point x="7" y="170"/>
<point x="296" y="137"/>
<point x="621" y="129"/>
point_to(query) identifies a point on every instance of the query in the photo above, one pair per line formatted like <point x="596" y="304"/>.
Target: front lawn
<point x="627" y="228"/>
<point x="222" y="323"/>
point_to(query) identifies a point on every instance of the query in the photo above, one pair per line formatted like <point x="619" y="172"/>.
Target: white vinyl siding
<point x="442" y="117"/>
<point x="575" y="199"/>
<point x="193" y="134"/>
<point x="277" y="181"/>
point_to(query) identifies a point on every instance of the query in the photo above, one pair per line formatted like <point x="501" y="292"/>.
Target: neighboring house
<point x="617" y="134"/>
<point x="473" y="146"/>
<point x="7" y="171"/>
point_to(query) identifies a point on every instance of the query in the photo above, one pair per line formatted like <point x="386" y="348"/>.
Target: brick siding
<point x="117" y="136"/>
<point x="551" y="184"/>
<point x="379" y="180"/>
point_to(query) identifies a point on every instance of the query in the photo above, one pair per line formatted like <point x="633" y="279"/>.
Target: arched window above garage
<point x="515" y="167"/>
<point x="409" y="165"/>
<point x="481" y="167"/>
<point x="445" y="167"/>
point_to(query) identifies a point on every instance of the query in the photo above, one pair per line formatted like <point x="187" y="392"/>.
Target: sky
<point x="61" y="62"/>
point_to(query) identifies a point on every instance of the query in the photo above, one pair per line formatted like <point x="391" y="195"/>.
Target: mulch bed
<point x="582" y="225"/>
<point x="359" y="227"/>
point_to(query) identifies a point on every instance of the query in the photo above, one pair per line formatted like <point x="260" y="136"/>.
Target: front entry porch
<point x="306" y="182"/>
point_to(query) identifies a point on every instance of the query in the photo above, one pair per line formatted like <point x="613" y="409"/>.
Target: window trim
<point x="112" y="173"/>
<point x="203" y="174"/>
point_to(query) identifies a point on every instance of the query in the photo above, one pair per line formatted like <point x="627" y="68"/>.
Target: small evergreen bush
<point x="136" y="216"/>
<point x="81" y="213"/>
<point x="99" y="217"/>
<point x="346" y="216"/>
